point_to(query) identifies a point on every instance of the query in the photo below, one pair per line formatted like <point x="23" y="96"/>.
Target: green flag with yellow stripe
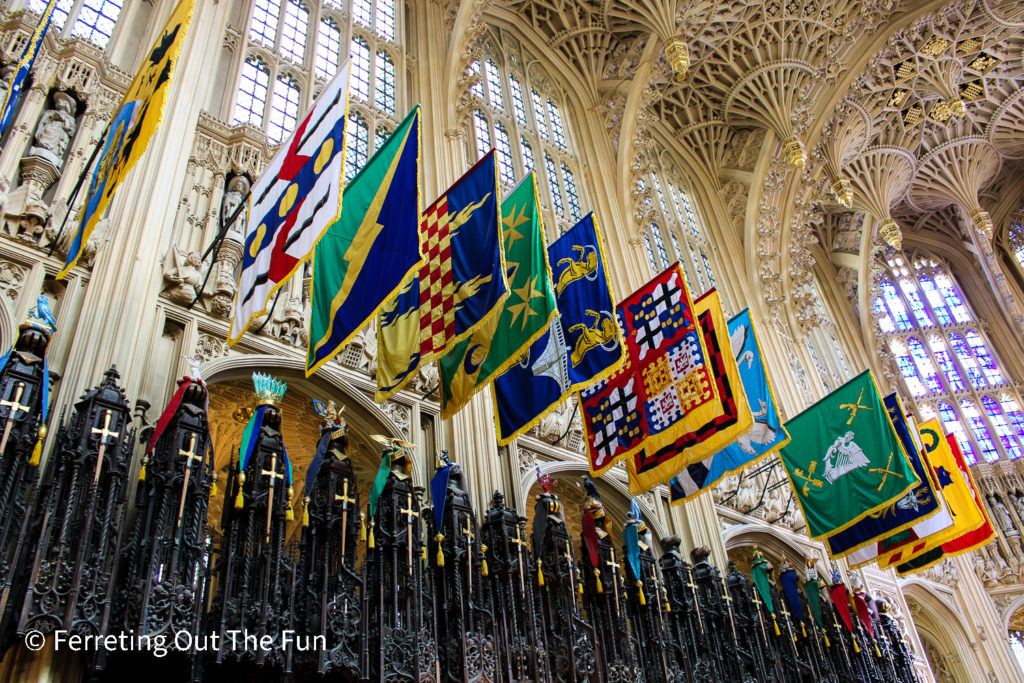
<point x="497" y="344"/>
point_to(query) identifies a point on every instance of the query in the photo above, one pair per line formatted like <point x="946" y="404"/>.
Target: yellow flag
<point x="956" y="492"/>
<point x="132" y="126"/>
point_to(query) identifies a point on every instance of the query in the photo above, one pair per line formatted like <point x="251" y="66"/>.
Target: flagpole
<point x="217" y="242"/>
<point x="77" y="189"/>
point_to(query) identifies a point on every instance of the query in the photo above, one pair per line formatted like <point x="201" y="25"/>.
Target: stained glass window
<point x="284" y="108"/>
<point x="359" y="84"/>
<point x="362" y="12"/>
<point x="527" y="155"/>
<point x="293" y="31"/>
<point x="556" y="125"/>
<point x="494" y="96"/>
<point x="263" y="28"/>
<point x="957" y="363"/>
<point x="556" y="194"/>
<point x="358" y="145"/>
<point x="504" y="154"/>
<point x="538" y="114"/>
<point x="650" y="253"/>
<point x="678" y="220"/>
<point x="96" y="19"/>
<point x="328" y="49"/>
<point x="483" y="134"/>
<point x="60" y="12"/>
<point x="660" y="245"/>
<point x="385" y="99"/>
<point x="252" y="93"/>
<point x="384" y="20"/>
<point x="571" y="195"/>
<point x="518" y="104"/>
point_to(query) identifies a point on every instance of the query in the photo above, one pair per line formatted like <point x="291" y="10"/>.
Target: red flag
<point x="590" y="537"/>
<point x="841" y="603"/>
<point x="983" y="534"/>
<point x="864" y="614"/>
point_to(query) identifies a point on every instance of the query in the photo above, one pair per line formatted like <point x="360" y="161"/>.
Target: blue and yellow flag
<point x="28" y="58"/>
<point x="132" y="126"/>
<point x="763" y="439"/>
<point x="583" y="343"/>
<point x="368" y="253"/>
<point x="461" y="284"/>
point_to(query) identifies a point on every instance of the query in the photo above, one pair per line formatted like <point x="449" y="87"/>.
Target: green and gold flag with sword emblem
<point x="496" y="344"/>
<point x="844" y="459"/>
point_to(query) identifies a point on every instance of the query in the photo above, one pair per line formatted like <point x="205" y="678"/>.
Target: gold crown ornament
<point x="269" y="390"/>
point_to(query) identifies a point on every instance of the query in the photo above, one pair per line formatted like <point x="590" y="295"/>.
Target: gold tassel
<point x="668" y="605"/>
<point x="483" y="567"/>
<point x="37" y="450"/>
<point x="289" y="516"/>
<point x="640" y="587"/>
<point x="856" y="647"/>
<point x="803" y="628"/>
<point x="825" y="635"/>
<point x="142" y="470"/>
<point x="369" y="543"/>
<point x="597" y="576"/>
<point x="213" y="485"/>
<point x="878" y="653"/>
<point x="362" y="526"/>
<point x="540" y="574"/>
<point x="579" y="587"/>
<point x="423" y="553"/>
<point x="775" y="623"/>
<point x="440" y="551"/>
<point x="240" y="499"/>
<point x="305" y="513"/>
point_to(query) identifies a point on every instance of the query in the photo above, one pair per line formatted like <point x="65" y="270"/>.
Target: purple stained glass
<point x="895" y="303"/>
<point x="980" y="430"/>
<point x="963" y="354"/>
<point x="1003" y="431"/>
<point x="916" y="304"/>
<point x="952" y="423"/>
<point x="953" y="377"/>
<point x="925" y="365"/>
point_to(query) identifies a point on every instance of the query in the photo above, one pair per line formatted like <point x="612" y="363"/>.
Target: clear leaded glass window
<point x="278" y="86"/>
<point x="91" y="20"/>
<point x="946" y="361"/>
<point x="526" y="125"/>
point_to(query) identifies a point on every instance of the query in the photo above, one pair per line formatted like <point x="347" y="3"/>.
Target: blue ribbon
<point x="248" y="437"/>
<point x="438" y="487"/>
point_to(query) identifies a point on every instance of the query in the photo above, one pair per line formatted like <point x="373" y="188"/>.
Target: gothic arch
<point x="1010" y="610"/>
<point x="769" y="538"/>
<point x="938" y="624"/>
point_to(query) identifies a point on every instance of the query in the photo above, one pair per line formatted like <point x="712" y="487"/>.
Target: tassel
<point x="775" y="623"/>
<point x="305" y="515"/>
<point x="579" y="588"/>
<point x="827" y="644"/>
<point x="878" y="653"/>
<point x="483" y="567"/>
<point x="856" y="647"/>
<point x="803" y="628"/>
<point x="369" y="543"/>
<point x="440" y="551"/>
<point x="289" y="516"/>
<point x="142" y="470"/>
<point x="668" y="605"/>
<point x="597" y="576"/>
<point x="362" y="527"/>
<point x="213" y="486"/>
<point x="540" y="574"/>
<point x="640" y="587"/>
<point x="240" y="499"/>
<point x="423" y="553"/>
<point x="37" y="450"/>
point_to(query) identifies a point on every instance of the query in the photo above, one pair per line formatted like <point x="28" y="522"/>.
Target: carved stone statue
<point x="1018" y="504"/>
<point x="183" y="270"/>
<point x="1002" y="516"/>
<point x="6" y="76"/>
<point x="54" y="131"/>
<point x="236" y="191"/>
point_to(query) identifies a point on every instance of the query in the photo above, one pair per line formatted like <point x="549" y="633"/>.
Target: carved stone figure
<point x="54" y="131"/>
<point x="183" y="270"/>
<point x="236" y="191"/>
<point x="1002" y="516"/>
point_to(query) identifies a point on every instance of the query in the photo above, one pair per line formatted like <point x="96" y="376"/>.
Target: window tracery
<point x="946" y="362"/>
<point x="511" y="105"/>
<point x="91" y="20"/>
<point x="279" y="77"/>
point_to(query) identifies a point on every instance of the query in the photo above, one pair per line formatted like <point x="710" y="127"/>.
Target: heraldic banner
<point x="844" y="460"/>
<point x="766" y="436"/>
<point x="730" y="420"/>
<point x="665" y="388"/>
<point x="918" y="514"/>
<point x="582" y="344"/>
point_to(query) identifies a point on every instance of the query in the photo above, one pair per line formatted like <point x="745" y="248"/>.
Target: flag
<point x="368" y="253"/>
<point x="984" y="533"/>
<point x="582" y="344"/>
<point x="731" y="418"/>
<point x="293" y="203"/>
<point x="665" y="388"/>
<point x="528" y="310"/>
<point x="459" y="286"/>
<point x="791" y="590"/>
<point x="812" y="591"/>
<point x="957" y="494"/>
<point x="840" y="600"/>
<point x="864" y="614"/>
<point x="28" y="58"/>
<point x="845" y="461"/>
<point x="132" y="126"/>
<point x="766" y="436"/>
<point x="920" y="513"/>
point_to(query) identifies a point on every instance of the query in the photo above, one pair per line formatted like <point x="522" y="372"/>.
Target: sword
<point x="696" y="603"/>
<point x="344" y="499"/>
<point x="274" y="476"/>
<point x="615" y="578"/>
<point x="15" y="406"/>
<point x="104" y="433"/>
<point x="190" y="455"/>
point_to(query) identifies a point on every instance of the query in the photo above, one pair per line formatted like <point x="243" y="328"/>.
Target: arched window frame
<point x="503" y="99"/>
<point x="68" y="21"/>
<point x="384" y="99"/>
<point x="927" y="325"/>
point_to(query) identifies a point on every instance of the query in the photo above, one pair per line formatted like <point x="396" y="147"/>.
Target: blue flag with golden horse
<point x="582" y="344"/>
<point x="461" y="283"/>
<point x="132" y="126"/>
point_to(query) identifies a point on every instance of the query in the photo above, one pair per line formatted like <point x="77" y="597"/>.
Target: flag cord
<point x="74" y="193"/>
<point x="217" y="242"/>
<point x="270" y="313"/>
<point x="569" y="427"/>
